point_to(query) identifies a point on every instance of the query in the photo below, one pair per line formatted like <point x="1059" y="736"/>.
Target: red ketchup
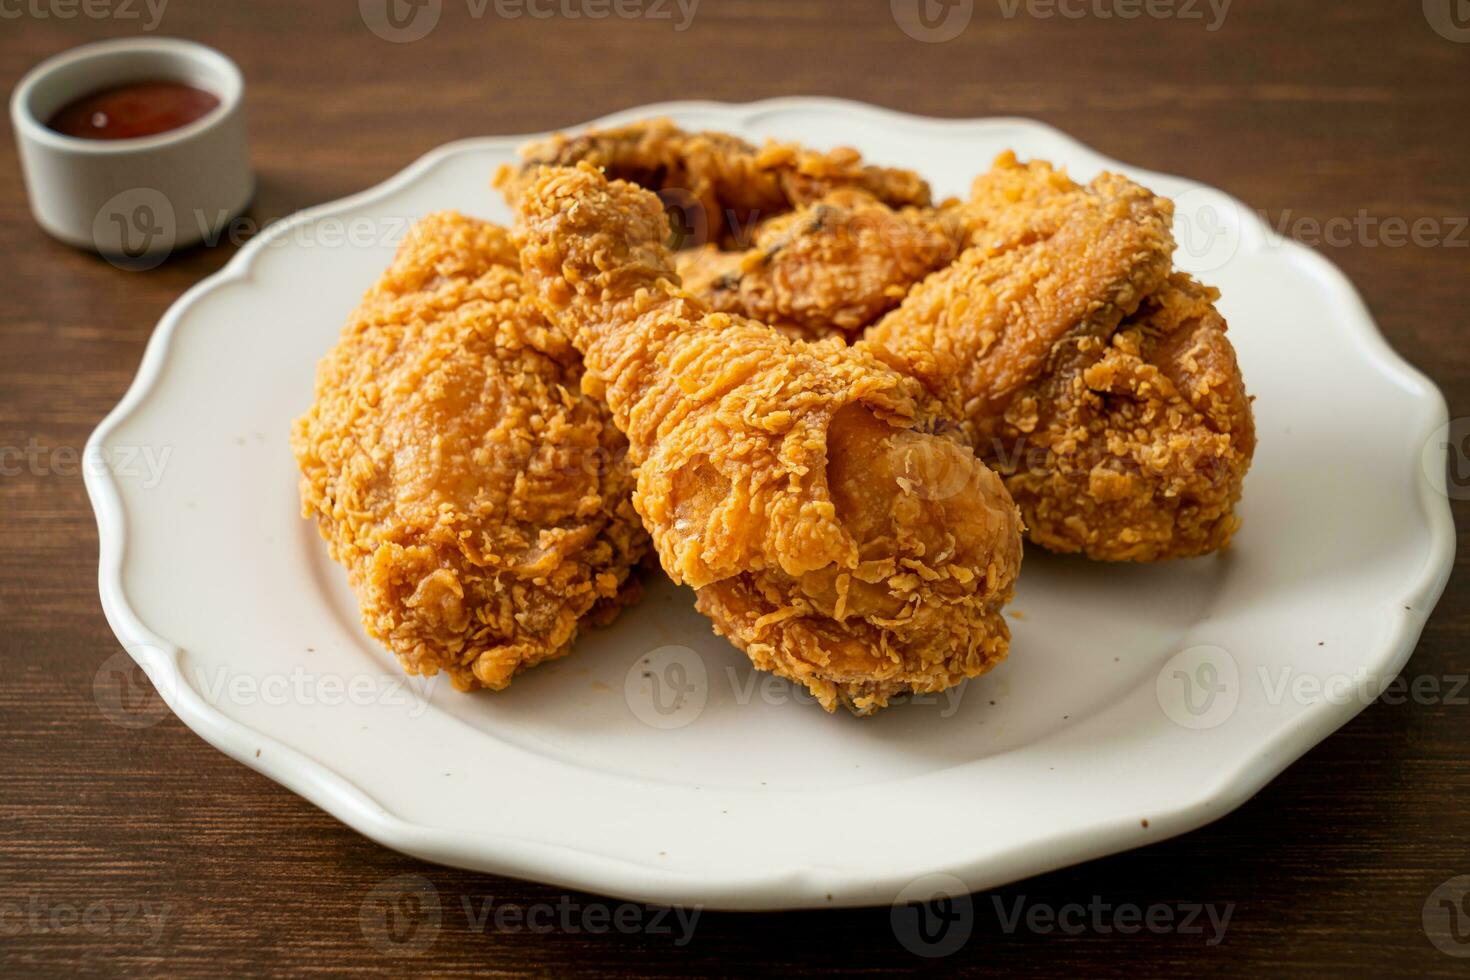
<point x="132" y="110"/>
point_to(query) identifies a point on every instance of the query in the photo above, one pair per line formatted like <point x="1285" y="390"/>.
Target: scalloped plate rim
<point x="803" y="887"/>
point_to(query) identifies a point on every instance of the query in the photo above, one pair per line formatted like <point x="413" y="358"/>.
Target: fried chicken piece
<point x="716" y="185"/>
<point x="833" y="520"/>
<point x="481" y="504"/>
<point x="1100" y="385"/>
<point x="1047" y="266"/>
<point x="829" y="268"/>
<point x="1149" y="436"/>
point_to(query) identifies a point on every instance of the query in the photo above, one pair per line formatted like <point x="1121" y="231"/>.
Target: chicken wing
<point x="832" y="518"/>
<point x="828" y="268"/>
<point x="480" y="503"/>
<point x="1101" y="385"/>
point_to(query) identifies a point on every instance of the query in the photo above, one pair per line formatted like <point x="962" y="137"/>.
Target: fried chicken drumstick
<point x="480" y="503"/>
<point x="1102" y="386"/>
<point x="835" y="525"/>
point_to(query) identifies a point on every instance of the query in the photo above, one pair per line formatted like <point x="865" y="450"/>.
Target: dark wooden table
<point x="1310" y="111"/>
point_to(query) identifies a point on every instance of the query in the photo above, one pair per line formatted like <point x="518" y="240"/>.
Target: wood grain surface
<point x="141" y="851"/>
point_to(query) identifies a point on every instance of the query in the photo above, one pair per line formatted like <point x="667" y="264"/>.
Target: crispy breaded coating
<point x="479" y="502"/>
<point x="719" y="184"/>
<point x="832" y="267"/>
<point x="835" y="524"/>
<point x="1142" y="440"/>
<point x="1054" y="269"/>
<point x="1102" y="387"/>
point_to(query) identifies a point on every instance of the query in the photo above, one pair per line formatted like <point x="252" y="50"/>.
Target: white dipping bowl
<point x="135" y="198"/>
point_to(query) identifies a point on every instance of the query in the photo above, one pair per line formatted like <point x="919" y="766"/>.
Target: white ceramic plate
<point x="653" y="764"/>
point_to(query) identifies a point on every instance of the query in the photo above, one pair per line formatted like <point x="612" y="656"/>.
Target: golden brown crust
<point x="805" y="489"/>
<point x="480" y="503"/>
<point x="828" y="268"/>
<point x="1136" y="449"/>
<point x="1102" y="386"/>
<point x="720" y="184"/>
<point x="1042" y="269"/>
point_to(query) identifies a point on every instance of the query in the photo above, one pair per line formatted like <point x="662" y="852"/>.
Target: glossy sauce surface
<point x="132" y="110"/>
